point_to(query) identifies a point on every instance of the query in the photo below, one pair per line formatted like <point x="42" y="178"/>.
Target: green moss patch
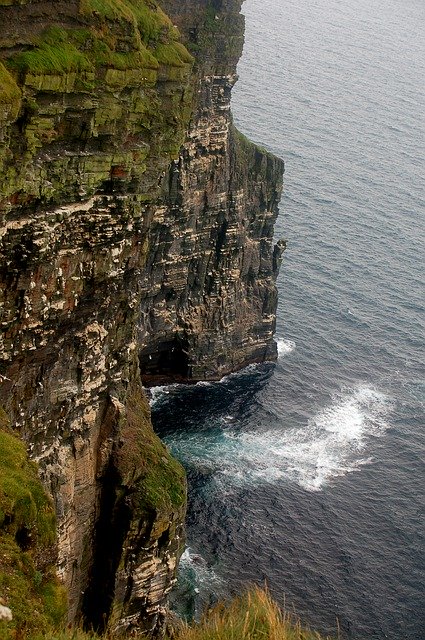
<point x="174" y="54"/>
<point x="10" y="95"/>
<point x="102" y="53"/>
<point x="151" y="21"/>
<point x="111" y="9"/>
<point x="147" y="40"/>
<point x="23" y="502"/>
<point x="36" y="599"/>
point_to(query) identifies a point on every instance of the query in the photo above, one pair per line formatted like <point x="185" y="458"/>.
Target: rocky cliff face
<point x="209" y="299"/>
<point x="136" y="238"/>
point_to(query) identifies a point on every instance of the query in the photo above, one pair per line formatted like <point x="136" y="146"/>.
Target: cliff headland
<point x="136" y="248"/>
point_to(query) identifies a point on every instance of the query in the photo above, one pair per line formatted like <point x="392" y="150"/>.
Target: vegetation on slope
<point x="253" y="616"/>
<point x="161" y="485"/>
<point x="121" y="64"/>
<point x="10" y="95"/>
<point x="119" y="34"/>
<point x="28" y="581"/>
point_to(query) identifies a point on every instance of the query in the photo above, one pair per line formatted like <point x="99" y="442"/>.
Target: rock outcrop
<point x="136" y="245"/>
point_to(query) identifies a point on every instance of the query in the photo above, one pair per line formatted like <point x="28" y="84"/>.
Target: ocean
<point x="308" y="475"/>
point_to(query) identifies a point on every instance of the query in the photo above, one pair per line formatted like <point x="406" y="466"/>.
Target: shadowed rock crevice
<point x="110" y="532"/>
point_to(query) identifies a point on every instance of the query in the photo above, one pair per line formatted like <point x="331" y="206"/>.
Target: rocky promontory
<point x="136" y="246"/>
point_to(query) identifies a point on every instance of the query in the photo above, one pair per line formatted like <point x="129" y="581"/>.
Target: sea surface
<point x="309" y="475"/>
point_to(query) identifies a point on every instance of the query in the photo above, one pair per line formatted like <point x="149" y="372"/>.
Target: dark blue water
<point x="310" y="474"/>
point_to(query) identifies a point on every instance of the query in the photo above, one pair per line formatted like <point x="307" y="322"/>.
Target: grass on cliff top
<point x="254" y="616"/>
<point x="152" y="22"/>
<point x="54" y="53"/>
<point x="124" y="34"/>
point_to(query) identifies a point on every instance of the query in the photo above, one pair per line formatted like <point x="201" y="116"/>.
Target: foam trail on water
<point x="333" y="443"/>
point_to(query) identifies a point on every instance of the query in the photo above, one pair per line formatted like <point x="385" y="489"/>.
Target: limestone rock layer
<point x="136" y="246"/>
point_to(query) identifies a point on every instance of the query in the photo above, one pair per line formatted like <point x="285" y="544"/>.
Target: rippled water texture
<point x="310" y="474"/>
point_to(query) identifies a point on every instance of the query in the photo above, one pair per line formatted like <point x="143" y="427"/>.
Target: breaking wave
<point x="334" y="442"/>
<point x="284" y="347"/>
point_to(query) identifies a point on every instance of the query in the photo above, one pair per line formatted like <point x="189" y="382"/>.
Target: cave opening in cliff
<point x="165" y="361"/>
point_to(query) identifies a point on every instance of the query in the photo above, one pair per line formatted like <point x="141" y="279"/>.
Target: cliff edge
<point x="136" y="247"/>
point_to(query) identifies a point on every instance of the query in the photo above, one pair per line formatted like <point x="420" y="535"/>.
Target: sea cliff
<point x="136" y="247"/>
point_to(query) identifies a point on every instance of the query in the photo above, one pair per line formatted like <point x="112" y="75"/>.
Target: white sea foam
<point x="193" y="562"/>
<point x="334" y="442"/>
<point x="160" y="392"/>
<point x="284" y="347"/>
<point x="241" y="373"/>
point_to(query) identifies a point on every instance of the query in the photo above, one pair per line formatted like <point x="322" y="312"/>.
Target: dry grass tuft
<point x="254" y="616"/>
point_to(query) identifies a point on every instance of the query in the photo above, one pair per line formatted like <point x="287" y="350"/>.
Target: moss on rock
<point x="145" y="462"/>
<point x="174" y="54"/>
<point x="131" y="35"/>
<point x="10" y="96"/>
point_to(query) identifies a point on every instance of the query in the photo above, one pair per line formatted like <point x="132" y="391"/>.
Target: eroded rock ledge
<point x="136" y="245"/>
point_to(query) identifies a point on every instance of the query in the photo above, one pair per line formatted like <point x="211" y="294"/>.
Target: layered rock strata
<point x="135" y="237"/>
<point x="209" y="297"/>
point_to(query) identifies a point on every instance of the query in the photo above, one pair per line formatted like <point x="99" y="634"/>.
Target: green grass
<point x="53" y="54"/>
<point x="37" y="601"/>
<point x="153" y="23"/>
<point x="134" y="34"/>
<point x="173" y="54"/>
<point x="27" y="538"/>
<point x="103" y="55"/>
<point x="253" y="616"/>
<point x="74" y="634"/>
<point x="111" y="9"/>
<point x="23" y="502"/>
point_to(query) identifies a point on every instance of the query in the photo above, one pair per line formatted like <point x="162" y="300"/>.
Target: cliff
<point x="136" y="246"/>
